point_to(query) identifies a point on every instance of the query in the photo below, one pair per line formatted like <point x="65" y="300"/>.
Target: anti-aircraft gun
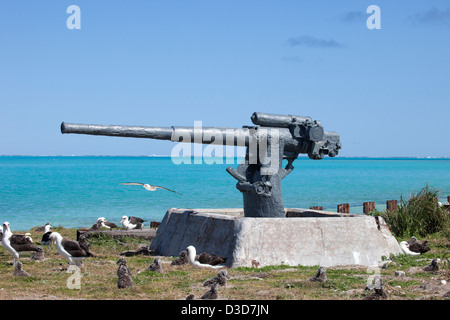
<point x="272" y="139"/>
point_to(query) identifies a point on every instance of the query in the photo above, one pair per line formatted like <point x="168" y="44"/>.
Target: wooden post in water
<point x="317" y="208"/>
<point x="391" y="205"/>
<point x="343" y="208"/>
<point x="368" y="207"/>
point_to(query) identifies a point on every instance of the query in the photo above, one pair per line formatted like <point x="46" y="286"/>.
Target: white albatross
<point x="191" y="253"/>
<point x="405" y="248"/>
<point x="15" y="243"/>
<point x="69" y="249"/>
<point x="102" y="222"/>
<point x="147" y="186"/>
<point x="130" y="223"/>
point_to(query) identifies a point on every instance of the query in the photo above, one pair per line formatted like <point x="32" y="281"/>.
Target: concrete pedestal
<point x="303" y="237"/>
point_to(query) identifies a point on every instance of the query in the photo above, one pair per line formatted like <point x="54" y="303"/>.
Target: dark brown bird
<point x="212" y="259"/>
<point x="38" y="255"/>
<point x="220" y="279"/>
<point x="321" y="275"/>
<point x="143" y="250"/>
<point x="155" y="266"/>
<point x="124" y="279"/>
<point x="18" y="271"/>
<point x="182" y="259"/>
<point x="415" y="245"/>
<point x="433" y="266"/>
<point x="378" y="290"/>
<point x="211" y="294"/>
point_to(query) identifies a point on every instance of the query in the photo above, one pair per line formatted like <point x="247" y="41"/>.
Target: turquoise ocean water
<point x="75" y="191"/>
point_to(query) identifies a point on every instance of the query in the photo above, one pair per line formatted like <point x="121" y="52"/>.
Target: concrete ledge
<point x="325" y="239"/>
<point x="146" y="234"/>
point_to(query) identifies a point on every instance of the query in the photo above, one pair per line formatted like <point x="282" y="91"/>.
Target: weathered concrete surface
<point x="306" y="237"/>
<point x="146" y="234"/>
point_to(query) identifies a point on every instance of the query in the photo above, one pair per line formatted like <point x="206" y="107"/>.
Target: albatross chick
<point x="19" y="272"/>
<point x="321" y="275"/>
<point x="124" y="275"/>
<point x="155" y="266"/>
<point x="220" y="279"/>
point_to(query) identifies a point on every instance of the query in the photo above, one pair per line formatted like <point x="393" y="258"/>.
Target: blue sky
<point x="163" y="63"/>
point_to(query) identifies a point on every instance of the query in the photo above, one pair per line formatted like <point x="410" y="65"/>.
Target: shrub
<point x="420" y="215"/>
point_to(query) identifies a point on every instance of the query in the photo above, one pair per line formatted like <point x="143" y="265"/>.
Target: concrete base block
<point x="304" y="237"/>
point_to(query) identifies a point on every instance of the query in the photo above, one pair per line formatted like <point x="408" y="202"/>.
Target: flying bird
<point x="147" y="186"/>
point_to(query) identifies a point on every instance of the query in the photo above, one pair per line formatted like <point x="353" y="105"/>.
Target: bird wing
<point x="136" y="220"/>
<point x="20" y="239"/>
<point x="132" y="183"/>
<point x="73" y="248"/>
<point x="110" y="224"/>
<point x="166" y="189"/>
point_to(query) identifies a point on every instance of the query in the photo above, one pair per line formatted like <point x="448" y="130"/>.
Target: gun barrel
<point x="160" y="133"/>
<point x="223" y="136"/>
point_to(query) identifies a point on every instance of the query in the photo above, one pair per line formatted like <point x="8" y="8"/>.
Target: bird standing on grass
<point x="124" y="279"/>
<point x="130" y="223"/>
<point x="16" y="243"/>
<point x="147" y="186"/>
<point x="69" y="249"/>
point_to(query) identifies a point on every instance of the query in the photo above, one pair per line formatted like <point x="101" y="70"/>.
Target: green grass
<point x="99" y="277"/>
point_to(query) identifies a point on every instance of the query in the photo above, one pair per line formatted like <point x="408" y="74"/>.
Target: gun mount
<point x="272" y="139"/>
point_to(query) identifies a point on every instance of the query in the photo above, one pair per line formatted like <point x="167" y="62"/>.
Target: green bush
<point x="420" y="215"/>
